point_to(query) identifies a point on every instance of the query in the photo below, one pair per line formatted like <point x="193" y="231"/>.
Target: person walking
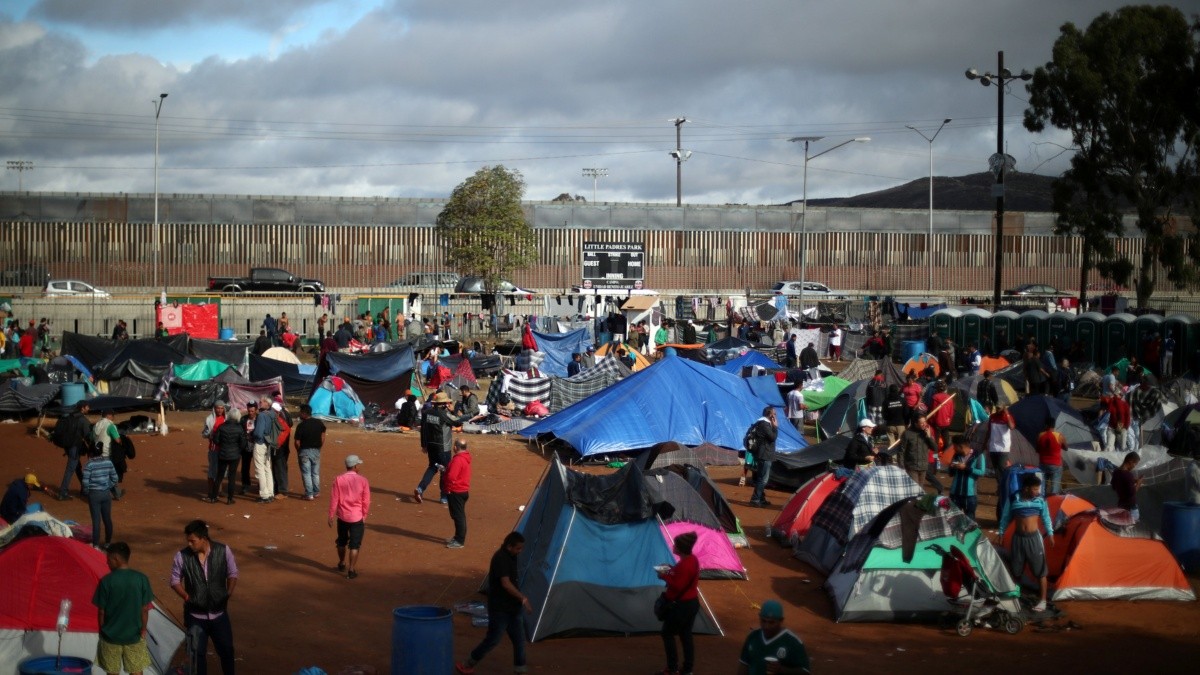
<point x="204" y="573"/>
<point x="122" y="599"/>
<point x="437" y="430"/>
<point x="458" y="485"/>
<point x="349" y="505"/>
<point x="74" y="438"/>
<point x="683" y="604"/>
<point x="99" y="481"/>
<point x="260" y="435"/>
<point x="309" y="437"/>
<point x="766" y="431"/>
<point x="211" y="423"/>
<point x="230" y="442"/>
<point x="505" y="604"/>
<point x="772" y="649"/>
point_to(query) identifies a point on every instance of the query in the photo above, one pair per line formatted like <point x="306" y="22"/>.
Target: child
<point x="966" y="467"/>
<point x="1026" y="509"/>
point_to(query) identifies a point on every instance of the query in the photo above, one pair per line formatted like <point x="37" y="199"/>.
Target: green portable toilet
<point x="973" y="325"/>
<point x="1184" y="330"/>
<point x="1086" y="330"/>
<point x="1060" y="331"/>
<point x="1035" y="323"/>
<point x="1144" y="329"/>
<point x="1003" y="332"/>
<point x="1117" y="338"/>
<point x="944" y="322"/>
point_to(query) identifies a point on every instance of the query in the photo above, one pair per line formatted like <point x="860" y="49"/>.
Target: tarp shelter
<point x="334" y="399"/>
<point x="848" y="510"/>
<point x="795" y="518"/>
<point x="93" y="351"/>
<point x="240" y="394"/>
<point x="1032" y="412"/>
<point x="38" y="573"/>
<point x="830" y="387"/>
<point x="557" y="349"/>
<point x="706" y="454"/>
<point x="201" y="320"/>
<point x="23" y="398"/>
<point x="281" y="354"/>
<point x="567" y="391"/>
<point x="591" y="544"/>
<point x="381" y="378"/>
<point x="797" y="468"/>
<point x="748" y="360"/>
<point x="226" y="351"/>
<point x="294" y="382"/>
<point x="673" y="400"/>
<point x="873" y="581"/>
<point x="639" y="361"/>
<point x="864" y="369"/>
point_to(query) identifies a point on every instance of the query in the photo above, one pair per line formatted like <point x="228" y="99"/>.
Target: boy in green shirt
<point x="123" y="598"/>
<point x="772" y="649"/>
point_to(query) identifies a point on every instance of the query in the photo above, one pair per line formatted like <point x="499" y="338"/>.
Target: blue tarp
<point x="766" y="388"/>
<point x="750" y="358"/>
<point x="558" y="348"/>
<point x="375" y="366"/>
<point x="672" y="400"/>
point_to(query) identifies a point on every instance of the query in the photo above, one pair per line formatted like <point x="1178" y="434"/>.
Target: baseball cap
<point x="31" y="479"/>
<point x="353" y="461"/>
<point x="771" y="609"/>
<point x="866" y="422"/>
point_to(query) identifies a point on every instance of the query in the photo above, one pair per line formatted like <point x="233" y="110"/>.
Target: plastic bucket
<point x="51" y="665"/>
<point x="72" y="393"/>
<point x="1181" y="532"/>
<point x="422" y="641"/>
<point x="912" y="349"/>
<point x="226" y="334"/>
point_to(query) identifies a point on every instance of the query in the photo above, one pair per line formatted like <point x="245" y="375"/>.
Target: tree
<point x="1126" y="91"/>
<point x="484" y="229"/>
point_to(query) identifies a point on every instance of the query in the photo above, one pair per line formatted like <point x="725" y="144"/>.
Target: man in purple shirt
<point x="204" y="574"/>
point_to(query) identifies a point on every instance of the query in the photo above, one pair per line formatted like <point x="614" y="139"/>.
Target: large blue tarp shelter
<point x="374" y="366"/>
<point x="672" y="400"/>
<point x="558" y="348"/>
<point x="750" y="358"/>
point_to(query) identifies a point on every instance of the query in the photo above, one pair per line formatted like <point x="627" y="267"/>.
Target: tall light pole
<point x="680" y="156"/>
<point x="158" y="238"/>
<point x="999" y="162"/>
<point x="929" y="242"/>
<point x="594" y="174"/>
<point x="804" y="201"/>
<point x="20" y="166"/>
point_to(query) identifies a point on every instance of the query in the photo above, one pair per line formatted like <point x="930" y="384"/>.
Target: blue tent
<point x="673" y="400"/>
<point x="375" y="366"/>
<point x="558" y="348"/>
<point x="750" y="358"/>
<point x="331" y="403"/>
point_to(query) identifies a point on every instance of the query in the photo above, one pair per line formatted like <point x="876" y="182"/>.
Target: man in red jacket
<point x="457" y="485"/>
<point x="1119" y="416"/>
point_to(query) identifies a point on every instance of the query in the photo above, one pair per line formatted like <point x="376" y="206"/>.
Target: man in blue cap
<point x="772" y="649"/>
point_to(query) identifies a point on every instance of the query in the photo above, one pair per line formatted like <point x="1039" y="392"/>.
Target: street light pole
<point x="680" y="156"/>
<point x="1000" y="162"/>
<point x="804" y="202"/>
<point x="158" y="238"/>
<point x="929" y="242"/>
<point x="20" y="166"/>
<point x="594" y="174"/>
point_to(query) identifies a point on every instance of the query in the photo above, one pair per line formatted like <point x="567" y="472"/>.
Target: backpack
<point x="750" y="439"/>
<point x="280" y="429"/>
<point x="66" y="432"/>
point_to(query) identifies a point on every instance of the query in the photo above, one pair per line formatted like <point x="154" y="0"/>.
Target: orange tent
<point x="917" y="364"/>
<point x="794" y="521"/>
<point x="992" y="364"/>
<point x="1062" y="507"/>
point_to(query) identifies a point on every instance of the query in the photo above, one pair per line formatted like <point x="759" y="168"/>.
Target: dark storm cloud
<point x="133" y="15"/>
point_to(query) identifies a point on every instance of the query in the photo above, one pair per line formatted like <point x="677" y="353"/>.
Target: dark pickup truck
<point x="265" y="279"/>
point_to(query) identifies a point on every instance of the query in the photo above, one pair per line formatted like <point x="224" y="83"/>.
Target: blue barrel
<point x="1181" y="532"/>
<point x="52" y="665"/>
<point x="912" y="349"/>
<point x="226" y="334"/>
<point x="72" y="393"/>
<point x="422" y="641"/>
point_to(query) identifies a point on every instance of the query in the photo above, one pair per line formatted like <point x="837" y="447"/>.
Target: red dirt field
<point x="292" y="610"/>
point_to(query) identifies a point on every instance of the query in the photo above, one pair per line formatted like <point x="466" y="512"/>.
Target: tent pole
<point x="554" y="575"/>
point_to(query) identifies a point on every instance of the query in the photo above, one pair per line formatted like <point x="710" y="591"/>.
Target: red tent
<point x="39" y="572"/>
<point x="795" y="519"/>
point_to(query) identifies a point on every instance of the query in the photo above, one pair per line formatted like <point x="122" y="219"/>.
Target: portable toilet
<point x="1145" y="327"/>
<point x="1060" y="330"/>
<point x="1004" y="329"/>
<point x="1184" y="330"/>
<point x="944" y="322"/>
<point x="1117" y="338"/>
<point x="1035" y="323"/>
<point x="1086" y="329"/>
<point x="973" y="326"/>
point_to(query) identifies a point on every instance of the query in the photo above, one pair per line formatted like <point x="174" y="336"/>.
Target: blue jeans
<point x="100" y="504"/>
<point x="1053" y="476"/>
<point x="500" y="623"/>
<point x="435" y="458"/>
<point x="310" y="470"/>
<point x="762" y="473"/>
<point x="73" y="467"/>
<point x="221" y="632"/>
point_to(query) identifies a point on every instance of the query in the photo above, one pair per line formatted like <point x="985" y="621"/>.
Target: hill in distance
<point x="973" y="192"/>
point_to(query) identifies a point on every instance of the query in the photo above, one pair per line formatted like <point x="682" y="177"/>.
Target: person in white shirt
<point x="835" y="343"/>
<point x="795" y="407"/>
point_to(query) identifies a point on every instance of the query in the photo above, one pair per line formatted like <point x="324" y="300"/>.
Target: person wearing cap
<point x="860" y="451"/>
<point x="772" y="649"/>
<point x="280" y="448"/>
<point x="211" y="423"/>
<point x="349" y="505"/>
<point x="16" y="497"/>
<point x="437" y="430"/>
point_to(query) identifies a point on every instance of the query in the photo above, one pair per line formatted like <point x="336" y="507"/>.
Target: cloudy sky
<point x="407" y="98"/>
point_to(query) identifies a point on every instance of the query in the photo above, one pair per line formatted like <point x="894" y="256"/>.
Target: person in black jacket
<point x="894" y="414"/>
<point x="985" y="392"/>
<point x="766" y="430"/>
<point x="809" y="358"/>
<point x="230" y="441"/>
<point x="204" y="573"/>
<point x="876" y="396"/>
<point x="77" y="440"/>
<point x="437" y="434"/>
<point x="860" y="451"/>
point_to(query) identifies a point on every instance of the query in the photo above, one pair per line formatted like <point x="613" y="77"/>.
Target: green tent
<point x="21" y="365"/>
<point x="815" y="400"/>
<point x="201" y="371"/>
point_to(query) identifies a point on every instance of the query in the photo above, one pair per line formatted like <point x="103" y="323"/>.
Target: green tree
<point x="1126" y="91"/>
<point x="484" y="229"/>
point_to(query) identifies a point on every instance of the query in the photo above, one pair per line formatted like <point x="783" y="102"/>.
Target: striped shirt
<point x="99" y="474"/>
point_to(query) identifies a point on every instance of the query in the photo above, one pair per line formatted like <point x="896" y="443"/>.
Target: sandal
<point x="742" y="481"/>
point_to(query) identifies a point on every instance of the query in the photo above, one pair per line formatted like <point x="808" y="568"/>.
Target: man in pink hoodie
<point x="349" y="504"/>
<point x="458" y="485"/>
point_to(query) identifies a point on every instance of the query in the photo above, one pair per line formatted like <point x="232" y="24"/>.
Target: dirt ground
<point x="292" y="610"/>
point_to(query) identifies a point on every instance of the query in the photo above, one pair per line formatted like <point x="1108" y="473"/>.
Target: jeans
<point x="279" y="470"/>
<point x="100" y="504"/>
<point x="226" y="469"/>
<point x="310" y="470"/>
<point x="221" y="631"/>
<point x="262" y="468"/>
<point x="435" y="458"/>
<point x="500" y="623"/>
<point x="73" y="467"/>
<point x="457" y="501"/>
<point x="1053" y="476"/>
<point x="762" y="473"/>
<point x="1134" y="436"/>
<point x="679" y="621"/>
<point x="966" y="504"/>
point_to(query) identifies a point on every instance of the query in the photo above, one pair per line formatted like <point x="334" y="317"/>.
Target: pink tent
<point x="718" y="558"/>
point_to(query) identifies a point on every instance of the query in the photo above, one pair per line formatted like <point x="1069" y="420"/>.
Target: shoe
<point x="309" y="498"/>
<point x="463" y="668"/>
<point x="443" y="501"/>
<point x="417" y="496"/>
<point x="1040" y="607"/>
<point x="742" y="481"/>
<point x="453" y="543"/>
<point x="281" y="495"/>
<point x="229" y="501"/>
<point x="62" y="498"/>
<point x="341" y="567"/>
<point x="352" y="574"/>
<point x="211" y="500"/>
<point x="264" y="500"/>
<point x="520" y="669"/>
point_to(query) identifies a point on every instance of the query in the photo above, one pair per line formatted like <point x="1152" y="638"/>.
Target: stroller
<point x="973" y="595"/>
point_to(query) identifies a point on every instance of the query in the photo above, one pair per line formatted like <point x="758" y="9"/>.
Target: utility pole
<point x="20" y="166"/>
<point x="680" y="156"/>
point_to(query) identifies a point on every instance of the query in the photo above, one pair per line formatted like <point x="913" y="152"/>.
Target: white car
<point x="810" y="288"/>
<point x="72" y="287"/>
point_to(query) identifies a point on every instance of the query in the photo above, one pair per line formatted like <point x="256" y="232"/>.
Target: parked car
<point x="810" y="288"/>
<point x="267" y="279"/>
<point x="73" y="287"/>
<point x="25" y="275"/>
<point x="475" y="285"/>
<point x="1035" y="291"/>
<point x="427" y="280"/>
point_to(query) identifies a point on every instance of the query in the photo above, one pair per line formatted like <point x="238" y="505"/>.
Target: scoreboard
<point x="613" y="265"/>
